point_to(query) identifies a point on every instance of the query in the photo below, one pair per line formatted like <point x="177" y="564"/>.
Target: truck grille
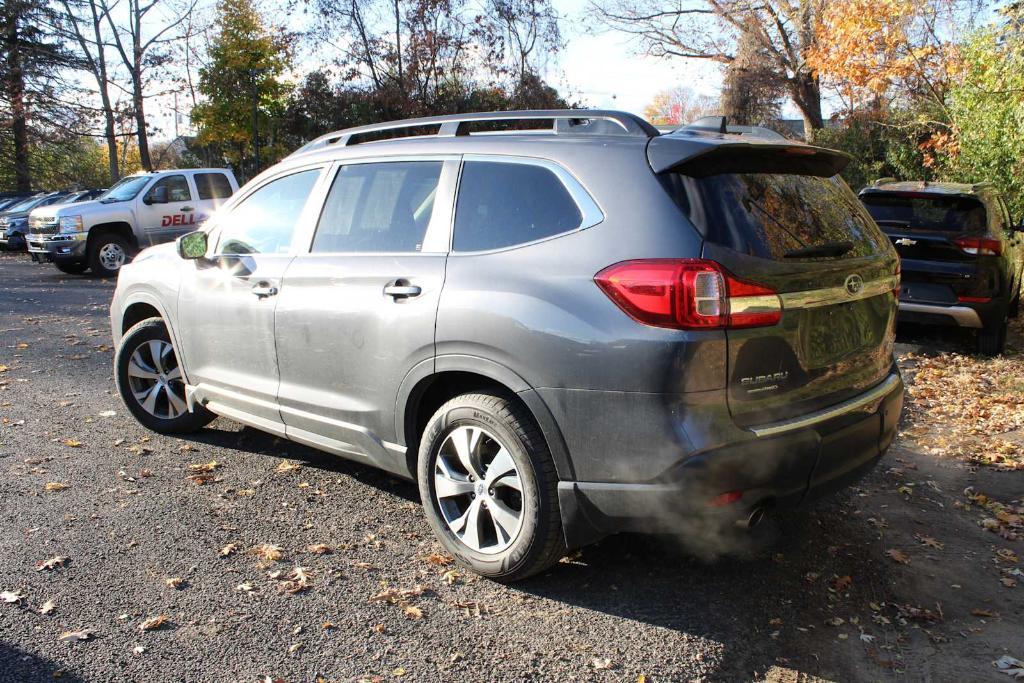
<point x="43" y="226"/>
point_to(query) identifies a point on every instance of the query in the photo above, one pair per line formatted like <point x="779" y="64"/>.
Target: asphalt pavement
<point x="353" y="585"/>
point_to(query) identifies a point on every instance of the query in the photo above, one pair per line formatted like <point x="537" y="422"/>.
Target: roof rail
<point x="566" y="121"/>
<point x="885" y="180"/>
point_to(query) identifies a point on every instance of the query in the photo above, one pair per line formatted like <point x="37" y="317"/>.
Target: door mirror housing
<point x="193" y="245"/>
<point x="158" y="195"/>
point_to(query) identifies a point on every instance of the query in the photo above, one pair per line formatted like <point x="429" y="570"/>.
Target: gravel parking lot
<point x="248" y="557"/>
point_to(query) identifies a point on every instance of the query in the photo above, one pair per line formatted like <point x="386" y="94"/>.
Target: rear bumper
<point x="788" y="464"/>
<point x="961" y="316"/>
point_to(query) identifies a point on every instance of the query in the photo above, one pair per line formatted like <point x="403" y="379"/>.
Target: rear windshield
<point x="778" y="216"/>
<point x="926" y="213"/>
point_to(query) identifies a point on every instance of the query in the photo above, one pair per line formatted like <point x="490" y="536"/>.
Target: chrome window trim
<point x="868" y="398"/>
<point x="590" y="213"/>
<point x="829" y="296"/>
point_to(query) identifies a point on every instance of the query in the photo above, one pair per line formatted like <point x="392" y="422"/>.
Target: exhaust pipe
<point x="755" y="518"/>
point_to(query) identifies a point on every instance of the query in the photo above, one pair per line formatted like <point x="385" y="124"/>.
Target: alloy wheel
<point x="478" y="489"/>
<point x="154" y="377"/>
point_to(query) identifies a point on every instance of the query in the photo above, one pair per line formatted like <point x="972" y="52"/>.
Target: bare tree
<point x="519" y="35"/>
<point x="143" y="51"/>
<point x="84" y="20"/>
<point x="709" y="29"/>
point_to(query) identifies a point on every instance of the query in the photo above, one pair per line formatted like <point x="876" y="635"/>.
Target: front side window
<point x="212" y="185"/>
<point x="177" y="188"/>
<point x="504" y="204"/>
<point x="378" y="207"/>
<point x="264" y="221"/>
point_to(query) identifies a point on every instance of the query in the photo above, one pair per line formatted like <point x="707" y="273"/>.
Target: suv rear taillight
<point x="979" y="246"/>
<point x="688" y="294"/>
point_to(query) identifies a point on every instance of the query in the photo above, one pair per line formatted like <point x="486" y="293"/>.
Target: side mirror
<point x="158" y="195"/>
<point x="192" y="246"/>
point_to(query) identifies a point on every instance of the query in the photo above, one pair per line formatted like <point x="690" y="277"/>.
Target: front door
<point x="227" y="301"/>
<point x="357" y="311"/>
<point x="165" y="221"/>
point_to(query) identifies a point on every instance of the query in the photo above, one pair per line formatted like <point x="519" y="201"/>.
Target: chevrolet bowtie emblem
<point x="905" y="242"/>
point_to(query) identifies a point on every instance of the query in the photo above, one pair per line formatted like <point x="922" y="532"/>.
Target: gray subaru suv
<point x="561" y="324"/>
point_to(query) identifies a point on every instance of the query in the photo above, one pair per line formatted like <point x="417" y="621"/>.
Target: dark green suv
<point x="961" y="254"/>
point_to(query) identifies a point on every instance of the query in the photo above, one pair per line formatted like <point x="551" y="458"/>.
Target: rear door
<point x="212" y="189"/>
<point x="357" y="311"/>
<point x="809" y="240"/>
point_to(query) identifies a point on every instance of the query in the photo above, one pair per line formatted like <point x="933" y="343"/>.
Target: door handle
<point x="402" y="290"/>
<point x="187" y="208"/>
<point x="264" y="289"/>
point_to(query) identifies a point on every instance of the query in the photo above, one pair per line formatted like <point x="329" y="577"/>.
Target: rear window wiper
<point x="828" y="249"/>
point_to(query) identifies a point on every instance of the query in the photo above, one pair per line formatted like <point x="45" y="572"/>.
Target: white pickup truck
<point x="138" y="211"/>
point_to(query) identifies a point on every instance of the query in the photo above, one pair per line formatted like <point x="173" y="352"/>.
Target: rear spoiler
<point x="702" y="155"/>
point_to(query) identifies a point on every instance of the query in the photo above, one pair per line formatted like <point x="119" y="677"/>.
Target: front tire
<point x="150" y="382"/>
<point x="489" y="487"/>
<point x="107" y="253"/>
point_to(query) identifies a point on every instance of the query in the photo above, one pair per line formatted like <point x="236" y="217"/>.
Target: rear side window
<point x="773" y="215"/>
<point x="177" y="188"/>
<point x="213" y="185"/>
<point x="379" y="207"/>
<point x="929" y="213"/>
<point x="504" y="204"/>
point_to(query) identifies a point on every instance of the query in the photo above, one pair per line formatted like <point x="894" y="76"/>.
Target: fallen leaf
<point x="47" y="607"/>
<point x="74" y="636"/>
<point x="50" y="564"/>
<point x="286" y="466"/>
<point x="245" y="587"/>
<point x="377" y="628"/>
<point x="204" y="467"/>
<point x="267" y="551"/>
<point x="138" y="649"/>
<point x="841" y="583"/>
<point x="11" y="596"/>
<point x="929" y="542"/>
<point x="229" y="549"/>
<point x="602" y="663"/>
<point x="984" y="613"/>
<point x="153" y="623"/>
<point x="319" y="549"/>
<point x="175" y="582"/>
<point x="56" y="486"/>
<point x="898" y="556"/>
<point x="107" y="413"/>
<point x="1011" y="666"/>
<point x="72" y="443"/>
<point x="21" y="345"/>
<point x="413" y="612"/>
<point x="295" y="647"/>
<point x="439" y="559"/>
<point x="298" y="579"/>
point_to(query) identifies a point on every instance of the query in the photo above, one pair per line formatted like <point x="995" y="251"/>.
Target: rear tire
<point x="150" y="381"/>
<point x="107" y="253"/>
<point x="992" y="338"/>
<point x="517" y="529"/>
<point x="71" y="267"/>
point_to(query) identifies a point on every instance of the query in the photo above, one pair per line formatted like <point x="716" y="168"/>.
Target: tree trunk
<point x="109" y="130"/>
<point x="15" y="87"/>
<point x="805" y="91"/>
<point x="138" y="96"/>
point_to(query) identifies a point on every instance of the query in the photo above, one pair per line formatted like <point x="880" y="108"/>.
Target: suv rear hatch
<point x="939" y="238"/>
<point x="777" y="216"/>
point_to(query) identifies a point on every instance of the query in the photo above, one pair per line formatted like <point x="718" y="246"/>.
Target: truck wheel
<point x="149" y="380"/>
<point x="107" y="254"/>
<point x="992" y="337"/>
<point x="71" y="267"/>
<point x="489" y="488"/>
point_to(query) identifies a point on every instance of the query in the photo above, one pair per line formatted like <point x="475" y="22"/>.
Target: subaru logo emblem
<point x="854" y="284"/>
